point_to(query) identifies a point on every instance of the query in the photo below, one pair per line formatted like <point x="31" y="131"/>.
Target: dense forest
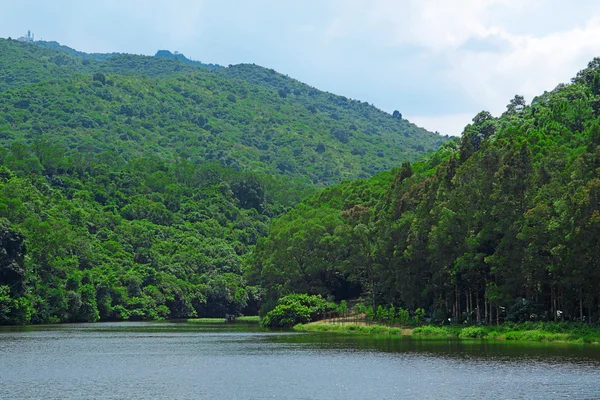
<point x="136" y="187"/>
<point x="242" y="117"/>
<point x="502" y="224"/>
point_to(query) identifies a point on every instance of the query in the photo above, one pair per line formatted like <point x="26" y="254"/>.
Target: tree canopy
<point x="501" y="224"/>
<point x="138" y="186"/>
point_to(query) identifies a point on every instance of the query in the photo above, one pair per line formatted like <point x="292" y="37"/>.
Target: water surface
<point x="218" y="361"/>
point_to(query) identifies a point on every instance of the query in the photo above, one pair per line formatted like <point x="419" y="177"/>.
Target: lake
<point x="146" y="360"/>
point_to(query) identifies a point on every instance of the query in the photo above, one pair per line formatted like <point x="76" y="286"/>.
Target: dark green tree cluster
<point x="503" y="224"/>
<point x="144" y="239"/>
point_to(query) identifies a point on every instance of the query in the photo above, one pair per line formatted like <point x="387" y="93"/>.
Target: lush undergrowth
<point x="536" y="332"/>
<point x="352" y="328"/>
<point x="533" y="332"/>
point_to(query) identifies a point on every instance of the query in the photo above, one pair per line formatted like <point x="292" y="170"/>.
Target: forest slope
<point x="134" y="187"/>
<point x="244" y="117"/>
<point x="503" y="224"/>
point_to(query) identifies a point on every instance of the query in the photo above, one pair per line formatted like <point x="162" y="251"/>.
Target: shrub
<point x="286" y="316"/>
<point x="317" y="305"/>
<point x="403" y="316"/>
<point x="296" y="309"/>
<point x="378" y="330"/>
<point x="431" y="331"/>
<point x="473" y="332"/>
<point x="419" y="316"/>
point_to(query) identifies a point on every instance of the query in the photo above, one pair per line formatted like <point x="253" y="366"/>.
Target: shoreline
<point x="572" y="333"/>
<point x="247" y="319"/>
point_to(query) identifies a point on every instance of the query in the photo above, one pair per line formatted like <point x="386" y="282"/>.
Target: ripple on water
<point x="197" y="361"/>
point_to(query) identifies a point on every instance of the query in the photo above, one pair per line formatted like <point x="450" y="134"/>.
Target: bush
<point x="403" y="316"/>
<point x="431" y="331"/>
<point x="473" y="332"/>
<point x="286" y="316"/>
<point x="419" y="316"/>
<point x="296" y="309"/>
<point x="317" y="305"/>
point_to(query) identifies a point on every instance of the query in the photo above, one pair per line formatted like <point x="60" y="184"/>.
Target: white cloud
<point x="175" y="19"/>
<point x="529" y="66"/>
<point x="452" y="124"/>
<point x="483" y="53"/>
<point x="437" y="25"/>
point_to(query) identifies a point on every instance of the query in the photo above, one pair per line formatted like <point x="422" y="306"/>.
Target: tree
<point x="466" y="148"/>
<point x="397" y="114"/>
<point x="99" y="77"/>
<point x="12" y="269"/>
<point x="485" y="124"/>
<point x="516" y="105"/>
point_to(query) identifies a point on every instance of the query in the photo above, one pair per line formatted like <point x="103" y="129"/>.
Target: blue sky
<point x="438" y="62"/>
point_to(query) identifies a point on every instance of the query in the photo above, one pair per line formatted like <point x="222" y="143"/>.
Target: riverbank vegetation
<point x="246" y="319"/>
<point x="533" y="332"/>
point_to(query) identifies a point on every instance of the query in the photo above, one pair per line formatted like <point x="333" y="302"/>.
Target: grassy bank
<point x="352" y="328"/>
<point x="245" y="319"/>
<point x="536" y="332"/>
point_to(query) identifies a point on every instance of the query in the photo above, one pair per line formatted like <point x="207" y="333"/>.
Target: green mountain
<point x="24" y="63"/>
<point x="135" y="187"/>
<point x="503" y="224"/>
<point x="244" y="117"/>
<point x="72" y="52"/>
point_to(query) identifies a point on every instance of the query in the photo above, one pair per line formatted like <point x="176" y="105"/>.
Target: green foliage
<point x="316" y="304"/>
<point x="286" y="316"/>
<point x="249" y="319"/>
<point x="141" y="184"/>
<point x="350" y="329"/>
<point x="502" y="225"/>
<point x="472" y="332"/>
<point x="430" y="330"/>
<point x="14" y="311"/>
<point x="403" y="316"/>
<point x="136" y="249"/>
<point x="296" y="309"/>
<point x="343" y="307"/>
<point x="135" y="105"/>
<point x="539" y="332"/>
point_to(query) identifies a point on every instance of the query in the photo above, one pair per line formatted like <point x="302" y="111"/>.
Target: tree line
<point x="501" y="224"/>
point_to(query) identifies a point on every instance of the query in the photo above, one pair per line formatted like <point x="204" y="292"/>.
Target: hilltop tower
<point x="28" y="39"/>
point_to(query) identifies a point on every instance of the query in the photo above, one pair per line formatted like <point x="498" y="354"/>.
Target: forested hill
<point x="242" y="117"/>
<point x="134" y="187"/>
<point x="25" y="63"/>
<point x="503" y="224"/>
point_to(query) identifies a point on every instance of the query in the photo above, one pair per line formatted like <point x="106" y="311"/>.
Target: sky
<point x="439" y="62"/>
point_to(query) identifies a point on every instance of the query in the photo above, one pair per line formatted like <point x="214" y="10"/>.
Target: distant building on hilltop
<point x="28" y="39"/>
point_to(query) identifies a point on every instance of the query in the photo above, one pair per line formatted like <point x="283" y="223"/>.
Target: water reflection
<point x="218" y="361"/>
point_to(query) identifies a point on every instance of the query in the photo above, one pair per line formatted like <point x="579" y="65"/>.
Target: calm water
<point x="194" y="361"/>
